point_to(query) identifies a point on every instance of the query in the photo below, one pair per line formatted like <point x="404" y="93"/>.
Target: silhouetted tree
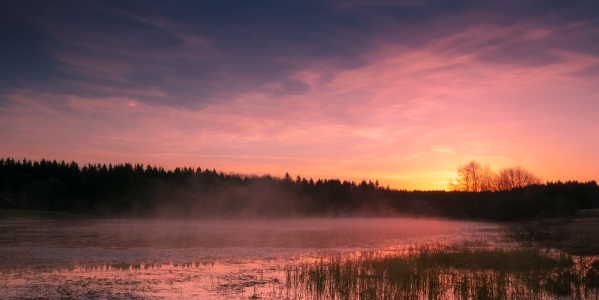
<point x="469" y="177"/>
<point x="473" y="177"/>
<point x="516" y="177"/>
<point x="488" y="180"/>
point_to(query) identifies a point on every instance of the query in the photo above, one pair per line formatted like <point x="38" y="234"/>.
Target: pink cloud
<point x="409" y="117"/>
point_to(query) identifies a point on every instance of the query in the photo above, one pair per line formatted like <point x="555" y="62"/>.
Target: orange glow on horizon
<point x="409" y="118"/>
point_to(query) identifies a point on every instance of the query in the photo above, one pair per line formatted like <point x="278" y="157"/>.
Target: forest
<point x="138" y="191"/>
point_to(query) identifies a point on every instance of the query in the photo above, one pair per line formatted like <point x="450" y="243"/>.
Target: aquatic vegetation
<point x="355" y="259"/>
<point x="440" y="272"/>
<point x="420" y="272"/>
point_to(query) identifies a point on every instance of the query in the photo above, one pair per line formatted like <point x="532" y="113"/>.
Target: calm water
<point x="191" y="259"/>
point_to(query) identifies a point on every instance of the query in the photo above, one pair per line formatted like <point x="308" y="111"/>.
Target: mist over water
<point x="264" y="234"/>
<point x="221" y="249"/>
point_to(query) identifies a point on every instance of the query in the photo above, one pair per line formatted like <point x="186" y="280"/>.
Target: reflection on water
<point x="431" y="272"/>
<point x="191" y="259"/>
<point x="212" y="280"/>
<point x="300" y="233"/>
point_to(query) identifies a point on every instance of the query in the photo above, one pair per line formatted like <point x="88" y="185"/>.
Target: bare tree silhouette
<point x="469" y="176"/>
<point x="516" y="177"/>
<point x="474" y="177"/>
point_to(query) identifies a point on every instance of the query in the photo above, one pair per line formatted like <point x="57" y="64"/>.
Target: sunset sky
<point x="399" y="91"/>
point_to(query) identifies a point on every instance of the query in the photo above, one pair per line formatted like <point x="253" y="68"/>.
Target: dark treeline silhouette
<point x="126" y="190"/>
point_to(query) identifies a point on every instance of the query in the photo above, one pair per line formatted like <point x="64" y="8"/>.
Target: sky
<point x="403" y="92"/>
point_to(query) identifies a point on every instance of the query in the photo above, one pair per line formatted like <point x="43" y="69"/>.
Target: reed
<point x="438" y="272"/>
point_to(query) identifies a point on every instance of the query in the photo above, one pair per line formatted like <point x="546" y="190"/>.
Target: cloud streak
<point x="401" y="91"/>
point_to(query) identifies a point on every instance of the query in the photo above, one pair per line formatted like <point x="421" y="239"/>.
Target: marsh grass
<point x="440" y="272"/>
<point x="479" y="267"/>
<point x="466" y="271"/>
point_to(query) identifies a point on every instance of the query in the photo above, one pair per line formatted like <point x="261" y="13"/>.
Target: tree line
<point x="135" y="190"/>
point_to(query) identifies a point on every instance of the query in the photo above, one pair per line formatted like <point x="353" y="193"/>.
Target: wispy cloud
<point x="402" y="90"/>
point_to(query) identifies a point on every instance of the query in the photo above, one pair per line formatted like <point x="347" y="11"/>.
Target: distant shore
<point x="20" y="214"/>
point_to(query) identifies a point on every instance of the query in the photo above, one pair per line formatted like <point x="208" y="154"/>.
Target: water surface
<point x="223" y="259"/>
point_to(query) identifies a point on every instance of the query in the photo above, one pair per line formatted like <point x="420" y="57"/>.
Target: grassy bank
<point x="18" y="214"/>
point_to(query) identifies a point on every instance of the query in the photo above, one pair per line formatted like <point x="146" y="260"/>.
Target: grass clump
<point x="436" y="272"/>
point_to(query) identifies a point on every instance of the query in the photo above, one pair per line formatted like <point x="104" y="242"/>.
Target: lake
<point x="209" y="259"/>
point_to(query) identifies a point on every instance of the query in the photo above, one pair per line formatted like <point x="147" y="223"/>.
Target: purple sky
<point x="399" y="91"/>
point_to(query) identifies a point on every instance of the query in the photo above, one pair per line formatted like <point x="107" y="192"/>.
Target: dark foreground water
<point x="282" y="259"/>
